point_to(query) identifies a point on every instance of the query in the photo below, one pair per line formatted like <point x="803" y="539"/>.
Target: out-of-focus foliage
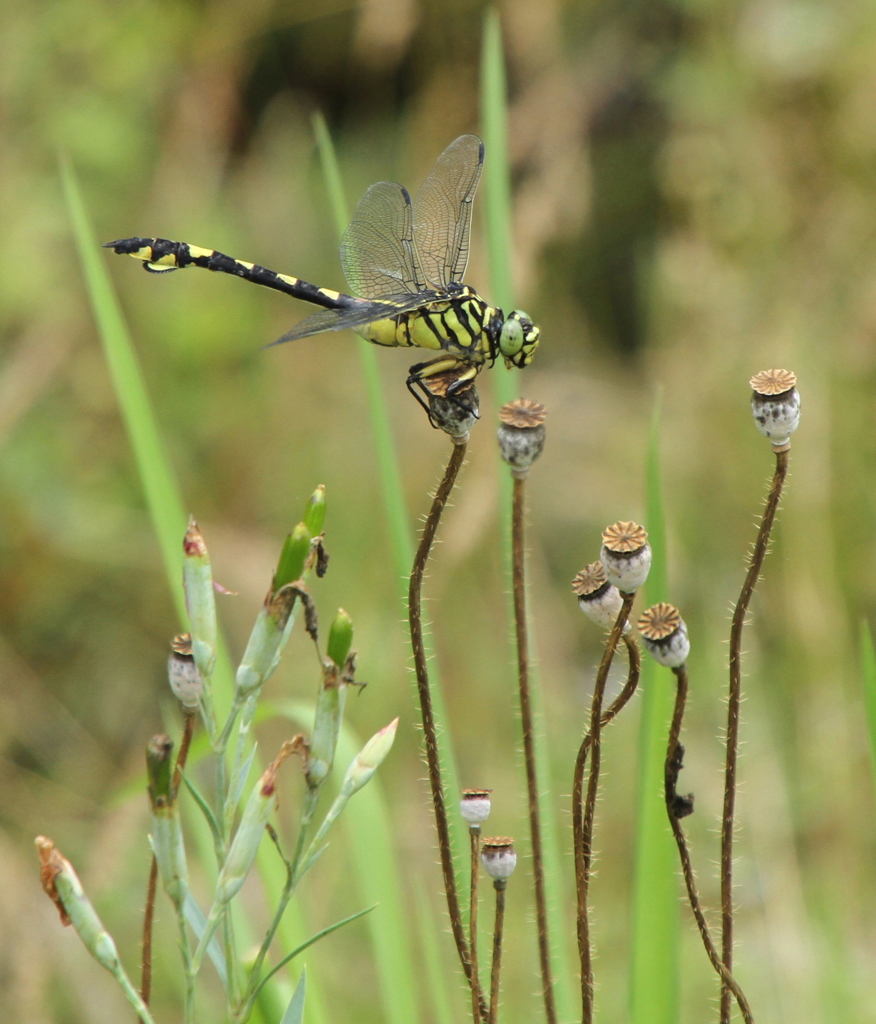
<point x="695" y="200"/>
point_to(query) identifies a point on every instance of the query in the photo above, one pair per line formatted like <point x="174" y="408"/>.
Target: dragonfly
<point x="404" y="262"/>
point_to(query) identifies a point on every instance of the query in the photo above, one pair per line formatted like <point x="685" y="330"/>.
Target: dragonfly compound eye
<point x="518" y="339"/>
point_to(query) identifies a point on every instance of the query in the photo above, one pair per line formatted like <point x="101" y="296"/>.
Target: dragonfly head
<point x="518" y="339"/>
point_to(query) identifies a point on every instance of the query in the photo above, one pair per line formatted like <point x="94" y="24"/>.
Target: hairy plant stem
<point x="583" y="826"/>
<point x="474" y="834"/>
<point x="677" y="806"/>
<point x="733" y="701"/>
<point x="429" y="731"/>
<point x="500" y="885"/>
<point x="518" y="559"/>
<point x="152" y="884"/>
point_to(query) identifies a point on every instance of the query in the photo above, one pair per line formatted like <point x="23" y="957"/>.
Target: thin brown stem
<point x="429" y="731"/>
<point x="582" y="825"/>
<point x="733" y="701"/>
<point x="474" y="833"/>
<point x="677" y="807"/>
<point x="152" y="884"/>
<point x="519" y="581"/>
<point x="499" y="884"/>
<point x="148" y="917"/>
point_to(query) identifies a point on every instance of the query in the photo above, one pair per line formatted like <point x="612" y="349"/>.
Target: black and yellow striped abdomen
<point x="160" y="255"/>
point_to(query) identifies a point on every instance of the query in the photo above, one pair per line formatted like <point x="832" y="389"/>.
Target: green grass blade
<point x="438" y="992"/>
<point x="497" y="184"/>
<point x="370" y="842"/>
<point x="159" y="486"/>
<point x="868" y="670"/>
<point x="497" y="191"/>
<point x="654" y="971"/>
<point x="395" y="507"/>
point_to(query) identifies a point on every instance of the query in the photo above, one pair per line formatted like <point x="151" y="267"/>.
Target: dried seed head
<point x="626" y="555"/>
<point x="498" y="857"/>
<point x="521" y="433"/>
<point x="665" y="634"/>
<point x="597" y="598"/>
<point x="455" y="410"/>
<point x="475" y="805"/>
<point x="775" y="405"/>
<point x="182" y="672"/>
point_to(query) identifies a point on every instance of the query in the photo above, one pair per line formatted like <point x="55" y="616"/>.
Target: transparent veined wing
<point x="442" y="211"/>
<point x="356" y="316"/>
<point x="378" y="256"/>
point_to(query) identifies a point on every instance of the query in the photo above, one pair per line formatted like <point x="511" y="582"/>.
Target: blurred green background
<point x="694" y="200"/>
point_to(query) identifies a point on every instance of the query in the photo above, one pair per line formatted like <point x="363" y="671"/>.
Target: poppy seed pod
<point x="665" y="634"/>
<point x="475" y="806"/>
<point x="453" y="411"/>
<point x="597" y="598"/>
<point x="626" y="556"/>
<point x="182" y="672"/>
<point x="521" y="434"/>
<point x="775" y="405"/>
<point x="499" y="857"/>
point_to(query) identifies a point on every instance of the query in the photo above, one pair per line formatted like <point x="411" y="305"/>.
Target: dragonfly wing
<point x="356" y="316"/>
<point x="442" y="211"/>
<point x="377" y="251"/>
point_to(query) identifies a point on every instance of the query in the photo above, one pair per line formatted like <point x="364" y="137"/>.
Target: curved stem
<point x="420" y="667"/>
<point x="474" y="833"/>
<point x="583" y="826"/>
<point x="519" y="583"/>
<point x="733" y="701"/>
<point x="677" y="806"/>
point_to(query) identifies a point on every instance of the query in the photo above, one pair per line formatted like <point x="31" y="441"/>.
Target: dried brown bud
<point x="453" y="411"/>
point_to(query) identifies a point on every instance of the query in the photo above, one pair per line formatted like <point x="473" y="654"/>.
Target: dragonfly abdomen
<point x="160" y="255"/>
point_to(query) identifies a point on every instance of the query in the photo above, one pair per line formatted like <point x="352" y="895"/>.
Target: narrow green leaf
<point x="497" y="192"/>
<point x="868" y="670"/>
<point x="295" y="1011"/>
<point x="654" y="972"/>
<point x="159" y="486"/>
<point x="395" y="508"/>
<point x="197" y="922"/>
<point x="313" y="938"/>
<point x="373" y="857"/>
<point x="437" y="989"/>
<point x="156" y="475"/>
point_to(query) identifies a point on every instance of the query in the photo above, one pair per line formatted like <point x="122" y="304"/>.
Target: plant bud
<point x="296" y="548"/>
<point x="775" y="404"/>
<point x="368" y="760"/>
<point x="626" y="556"/>
<point x="61" y="884"/>
<point x="262" y="803"/>
<point x="475" y="806"/>
<point x="498" y="857"/>
<point x="314" y="514"/>
<point x="185" y="679"/>
<point x="521" y="434"/>
<point x="665" y="634"/>
<point x="456" y="413"/>
<point x="267" y="641"/>
<point x="200" y="598"/>
<point x="597" y="598"/>
<point x="166" y="827"/>
<point x="330" y="702"/>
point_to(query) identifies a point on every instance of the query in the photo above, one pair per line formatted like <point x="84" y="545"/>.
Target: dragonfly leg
<point x="446" y="367"/>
